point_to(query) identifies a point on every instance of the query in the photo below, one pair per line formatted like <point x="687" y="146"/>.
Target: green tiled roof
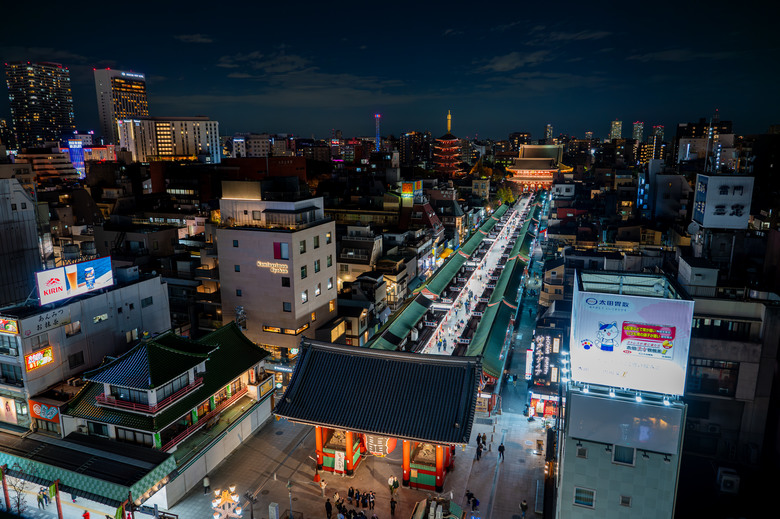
<point x="231" y="354"/>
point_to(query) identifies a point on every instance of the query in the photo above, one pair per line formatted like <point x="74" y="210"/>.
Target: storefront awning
<point x="445" y="254"/>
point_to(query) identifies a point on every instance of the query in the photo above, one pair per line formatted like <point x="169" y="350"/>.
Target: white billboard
<point x="722" y="201"/>
<point x="75" y="279"/>
<point x="632" y="342"/>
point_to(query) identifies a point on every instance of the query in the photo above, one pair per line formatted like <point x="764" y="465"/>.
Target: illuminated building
<point x="536" y="166"/>
<point x="50" y="165"/>
<point x="548" y="132"/>
<point x="658" y="131"/>
<point x="588" y="136"/>
<point x="41" y="102"/>
<point x="171" y="138"/>
<point x="518" y="138"/>
<point x="447" y="151"/>
<point x="416" y="149"/>
<point x="121" y="95"/>
<point x="277" y="268"/>
<point x="616" y="130"/>
<point x="639" y="131"/>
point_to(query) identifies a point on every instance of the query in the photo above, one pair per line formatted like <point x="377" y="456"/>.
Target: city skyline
<point x="306" y="73"/>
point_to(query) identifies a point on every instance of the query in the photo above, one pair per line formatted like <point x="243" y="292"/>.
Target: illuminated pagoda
<point x="446" y="154"/>
<point x="536" y="166"/>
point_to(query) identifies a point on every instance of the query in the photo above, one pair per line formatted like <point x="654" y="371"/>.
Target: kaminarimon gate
<point x="364" y="401"/>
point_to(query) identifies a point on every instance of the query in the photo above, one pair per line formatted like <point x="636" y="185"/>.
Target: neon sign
<point x="276" y="268"/>
<point x="39" y="359"/>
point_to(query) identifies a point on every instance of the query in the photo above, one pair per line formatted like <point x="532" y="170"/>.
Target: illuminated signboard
<point x="50" y="413"/>
<point x="546" y="361"/>
<point x="407" y="189"/>
<point x="633" y="342"/>
<point x="9" y="325"/>
<point x="71" y="280"/>
<point x="38" y="359"/>
<point x="275" y="268"/>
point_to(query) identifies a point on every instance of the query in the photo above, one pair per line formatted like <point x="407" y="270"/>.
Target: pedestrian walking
<point x="474" y="504"/>
<point x="523" y="507"/>
<point x="40" y="501"/>
<point x="328" y="508"/>
<point x="371" y="500"/>
<point x="336" y="497"/>
<point x="392" y="507"/>
<point x="484" y="440"/>
<point x="357" y="497"/>
<point x="501" y="451"/>
<point x="85" y="515"/>
<point x="45" y="494"/>
<point x="206" y="486"/>
<point x="364" y="500"/>
<point x="350" y="495"/>
<point x="479" y="451"/>
<point x="322" y="486"/>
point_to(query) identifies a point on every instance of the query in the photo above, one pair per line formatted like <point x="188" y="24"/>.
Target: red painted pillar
<point x="318" y="442"/>
<point x="350" y="454"/>
<point x="3" y="470"/>
<point x="447" y="459"/>
<point x="406" y="462"/>
<point x="439" y="468"/>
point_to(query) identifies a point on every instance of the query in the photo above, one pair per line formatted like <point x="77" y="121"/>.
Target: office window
<point x="343" y="267"/>
<point x="128" y="436"/>
<point x="147" y="301"/>
<point x="76" y="360"/>
<point x="584" y="497"/>
<point x="316" y="266"/>
<point x="625" y="501"/>
<point x="330" y="260"/>
<point x="332" y="305"/>
<point x="238" y="292"/>
<point x="287" y="307"/>
<point x="235" y="243"/>
<point x="623" y="455"/>
<point x="8" y="345"/>
<point x="582" y="452"/>
<point x="304" y="272"/>
<point x="72" y="329"/>
<point x="330" y="283"/>
<point x="318" y="290"/>
<point x="712" y="377"/>
<point x="328" y="238"/>
<point x="316" y="240"/>
<point x="10" y="374"/>
<point x="257" y="215"/>
<point x="281" y="250"/>
<point x="104" y="317"/>
<point x="36" y="342"/>
<point x="302" y="246"/>
<point x="305" y="296"/>
<point x="314" y="316"/>
<point x="129" y="395"/>
<point x="237" y="268"/>
<point x="285" y="281"/>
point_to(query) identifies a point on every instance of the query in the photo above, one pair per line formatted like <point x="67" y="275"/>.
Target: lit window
<point x="584" y="497"/>
<point x="318" y="290"/>
<point x="305" y="296"/>
<point x="330" y="283"/>
<point x="332" y="305"/>
<point x="328" y="238"/>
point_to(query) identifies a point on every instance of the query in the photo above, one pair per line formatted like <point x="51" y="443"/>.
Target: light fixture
<point x="639" y="397"/>
<point x="666" y="401"/>
<point x="217" y="492"/>
<point x="586" y="389"/>
<point x="579" y="443"/>
<point x="611" y="392"/>
<point x="666" y="458"/>
<point x="609" y="448"/>
<point x="645" y="455"/>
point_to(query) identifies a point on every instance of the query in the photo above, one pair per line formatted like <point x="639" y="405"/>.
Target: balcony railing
<point x="203" y="420"/>
<point x="111" y="401"/>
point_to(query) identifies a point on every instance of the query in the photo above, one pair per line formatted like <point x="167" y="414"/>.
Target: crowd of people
<point x="362" y="503"/>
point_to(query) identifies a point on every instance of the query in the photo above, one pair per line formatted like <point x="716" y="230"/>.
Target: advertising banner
<point x="39" y="358"/>
<point x="8" y="410"/>
<point x="75" y="279"/>
<point x="50" y="413"/>
<point x="631" y="342"/>
<point x="9" y="325"/>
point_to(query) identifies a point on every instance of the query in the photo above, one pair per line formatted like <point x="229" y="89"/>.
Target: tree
<point x="19" y="489"/>
<point x="504" y="193"/>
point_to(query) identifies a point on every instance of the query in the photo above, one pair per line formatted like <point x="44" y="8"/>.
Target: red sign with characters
<point x="50" y="413"/>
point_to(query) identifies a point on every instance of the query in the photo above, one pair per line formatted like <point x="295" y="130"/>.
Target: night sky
<point x="303" y="68"/>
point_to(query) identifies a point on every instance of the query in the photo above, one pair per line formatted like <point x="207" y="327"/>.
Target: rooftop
<point x="646" y="285"/>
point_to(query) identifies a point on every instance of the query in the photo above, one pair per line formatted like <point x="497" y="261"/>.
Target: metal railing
<point x="111" y="401"/>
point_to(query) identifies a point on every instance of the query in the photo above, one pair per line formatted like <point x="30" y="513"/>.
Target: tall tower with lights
<point x="378" y="138"/>
<point x="120" y="95"/>
<point x="447" y="151"/>
<point x="616" y="130"/>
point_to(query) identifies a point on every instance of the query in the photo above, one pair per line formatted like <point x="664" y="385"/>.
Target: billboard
<point x="722" y="201"/>
<point x="75" y="279"/>
<point x="50" y="413"/>
<point x="9" y="325"/>
<point x="39" y="358"/>
<point x="8" y="410"/>
<point x="631" y="342"/>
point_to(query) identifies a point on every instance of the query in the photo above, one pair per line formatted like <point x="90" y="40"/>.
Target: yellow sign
<point x="276" y="268"/>
<point x="39" y="358"/>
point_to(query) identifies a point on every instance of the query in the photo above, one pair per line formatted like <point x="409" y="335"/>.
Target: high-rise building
<point x="658" y="130"/>
<point x="171" y="138"/>
<point x="639" y="131"/>
<point x="588" y="136"/>
<point x="20" y="257"/>
<point x="518" y="138"/>
<point x="41" y="102"/>
<point x="120" y="95"/>
<point x="548" y="132"/>
<point x="415" y="148"/>
<point x="616" y="130"/>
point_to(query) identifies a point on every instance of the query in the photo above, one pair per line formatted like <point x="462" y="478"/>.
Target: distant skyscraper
<point x="120" y="95"/>
<point x="639" y="131"/>
<point x="41" y="102"/>
<point x="548" y="132"/>
<point x="658" y="131"/>
<point x="518" y="138"/>
<point x="171" y="138"/>
<point x="588" y="136"/>
<point x="616" y="130"/>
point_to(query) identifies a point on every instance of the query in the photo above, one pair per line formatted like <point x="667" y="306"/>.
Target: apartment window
<point x="281" y="250"/>
<point x="103" y="317"/>
<point x="712" y="377"/>
<point x="302" y="246"/>
<point x="97" y="429"/>
<point x="316" y="266"/>
<point x="10" y="374"/>
<point x="257" y="215"/>
<point x="330" y="260"/>
<point x="285" y="282"/>
<point x="305" y="296"/>
<point x="72" y="329"/>
<point x="235" y="243"/>
<point x="625" y="501"/>
<point x="582" y="452"/>
<point x="128" y="436"/>
<point x="21" y="408"/>
<point x="238" y="292"/>
<point x="147" y="301"/>
<point x="131" y="335"/>
<point x="328" y="238"/>
<point x="316" y="240"/>
<point x="584" y="497"/>
<point x="287" y="307"/>
<point x="237" y="268"/>
<point x="330" y="283"/>
<point x="332" y="305"/>
<point x="623" y="455"/>
<point x="8" y="345"/>
<point x="343" y="267"/>
<point x="318" y="290"/>
<point x="75" y="360"/>
<point x="313" y="316"/>
<point x="304" y="272"/>
<point x="13" y="207"/>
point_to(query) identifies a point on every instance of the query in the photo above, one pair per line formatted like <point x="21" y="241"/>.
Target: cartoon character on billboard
<point x="606" y="338"/>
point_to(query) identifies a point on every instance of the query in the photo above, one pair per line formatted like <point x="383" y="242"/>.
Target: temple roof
<point x="410" y="396"/>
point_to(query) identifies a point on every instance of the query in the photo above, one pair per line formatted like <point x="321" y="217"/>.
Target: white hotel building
<point x="171" y="138"/>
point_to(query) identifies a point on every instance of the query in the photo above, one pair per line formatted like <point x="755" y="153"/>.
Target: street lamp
<point x="225" y="504"/>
